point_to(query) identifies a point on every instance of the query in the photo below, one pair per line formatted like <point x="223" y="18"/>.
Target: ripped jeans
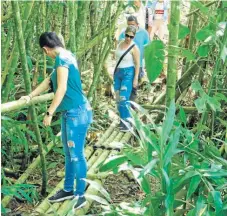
<point x="74" y="126"/>
<point x="123" y="82"/>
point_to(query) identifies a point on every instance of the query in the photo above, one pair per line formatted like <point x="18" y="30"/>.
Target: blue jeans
<point x="74" y="126"/>
<point x="123" y="82"/>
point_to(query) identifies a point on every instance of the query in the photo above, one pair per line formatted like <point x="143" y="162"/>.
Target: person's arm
<point x="41" y="88"/>
<point x="62" y="77"/>
<point x="136" y="58"/>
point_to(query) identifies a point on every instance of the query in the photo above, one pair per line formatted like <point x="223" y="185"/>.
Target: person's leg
<point x="125" y="92"/>
<point x="67" y="192"/>
<point x="77" y="125"/>
<point x="117" y="86"/>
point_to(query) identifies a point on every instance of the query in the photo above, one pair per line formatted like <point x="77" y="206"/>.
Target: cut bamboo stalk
<point x="99" y="151"/>
<point x="45" y="205"/>
<point x="29" y="171"/>
<point x="104" y="155"/>
<point x="90" y="189"/>
<point x="64" y="208"/>
<point x="19" y="104"/>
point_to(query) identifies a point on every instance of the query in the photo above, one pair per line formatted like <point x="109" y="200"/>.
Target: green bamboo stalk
<point x="15" y="54"/>
<point x="172" y="53"/>
<point x="26" y="75"/>
<point x="71" y="15"/>
<point x="81" y="23"/>
<point x="30" y="170"/>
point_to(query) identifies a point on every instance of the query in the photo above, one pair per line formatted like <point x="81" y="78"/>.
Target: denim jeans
<point x="123" y="82"/>
<point x="74" y="126"/>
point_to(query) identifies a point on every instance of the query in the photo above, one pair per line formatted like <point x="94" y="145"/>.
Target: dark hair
<point x="50" y="39"/>
<point x="132" y="18"/>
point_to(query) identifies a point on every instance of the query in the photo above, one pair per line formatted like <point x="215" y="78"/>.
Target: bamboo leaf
<point x="196" y="86"/>
<point x="214" y="104"/>
<point x="194" y="183"/>
<point x="217" y="202"/>
<point x="113" y="162"/>
<point x="154" y="59"/>
<point x="200" y="206"/>
<point x="97" y="199"/>
<point x="183" y="116"/>
<point x="145" y="184"/>
<point x="204" y="33"/>
<point x="168" y="123"/>
<point x="99" y="188"/>
<point x="148" y="168"/>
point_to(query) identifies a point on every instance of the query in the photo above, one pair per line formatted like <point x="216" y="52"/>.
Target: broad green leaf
<point x="183" y="31"/>
<point x="219" y="173"/>
<point x="214" y="104"/>
<point x="148" y="168"/>
<point x="168" y="123"/>
<point x="219" y="97"/>
<point x="99" y="188"/>
<point x="188" y="54"/>
<point x="194" y="183"/>
<point x="200" y="104"/>
<point x="136" y="157"/>
<point x="203" y="50"/>
<point x="113" y="162"/>
<point x="217" y="202"/>
<point x="204" y="33"/>
<point x="154" y="59"/>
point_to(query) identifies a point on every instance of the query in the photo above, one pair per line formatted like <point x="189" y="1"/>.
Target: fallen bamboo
<point x="15" y="105"/>
<point x="45" y="206"/>
<point x="65" y="207"/>
<point x="29" y="171"/>
<point x="90" y="189"/>
<point x="163" y="107"/>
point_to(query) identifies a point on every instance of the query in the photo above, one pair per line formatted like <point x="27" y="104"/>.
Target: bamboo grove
<point x="188" y="135"/>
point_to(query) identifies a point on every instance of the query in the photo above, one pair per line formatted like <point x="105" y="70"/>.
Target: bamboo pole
<point x="30" y="169"/>
<point x="126" y="137"/>
<point x="19" y="104"/>
<point x="28" y="88"/>
<point x="187" y="109"/>
<point x="72" y="26"/>
<point x="172" y="52"/>
<point x="44" y="206"/>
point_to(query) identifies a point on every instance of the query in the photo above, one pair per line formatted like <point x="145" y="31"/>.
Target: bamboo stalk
<point x="162" y="107"/>
<point x="71" y="11"/>
<point x="19" y="104"/>
<point x="196" y="10"/>
<point x="30" y="170"/>
<point x="28" y="88"/>
<point x="172" y="52"/>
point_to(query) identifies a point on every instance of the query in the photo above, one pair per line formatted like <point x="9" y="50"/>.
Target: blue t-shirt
<point x="74" y="95"/>
<point x="141" y="39"/>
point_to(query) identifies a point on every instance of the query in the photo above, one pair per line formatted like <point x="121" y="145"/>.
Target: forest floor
<point x="120" y="187"/>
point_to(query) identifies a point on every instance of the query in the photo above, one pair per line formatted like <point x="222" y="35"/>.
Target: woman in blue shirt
<point x="76" y="115"/>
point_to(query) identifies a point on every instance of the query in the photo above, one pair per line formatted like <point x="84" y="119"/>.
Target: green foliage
<point x="154" y="58"/>
<point x="183" y="31"/>
<point x="177" y="164"/>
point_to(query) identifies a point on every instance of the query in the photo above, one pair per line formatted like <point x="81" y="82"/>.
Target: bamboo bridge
<point x="95" y="155"/>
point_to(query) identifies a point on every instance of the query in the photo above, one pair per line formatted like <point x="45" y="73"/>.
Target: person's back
<point x="74" y="95"/>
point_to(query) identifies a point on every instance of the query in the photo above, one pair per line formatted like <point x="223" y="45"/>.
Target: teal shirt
<point x="74" y="96"/>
